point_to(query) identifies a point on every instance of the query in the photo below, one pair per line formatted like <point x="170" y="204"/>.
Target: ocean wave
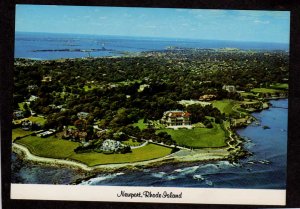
<point x="158" y="175"/>
<point x="186" y="170"/>
<point x="95" y="181"/>
<point x="198" y="177"/>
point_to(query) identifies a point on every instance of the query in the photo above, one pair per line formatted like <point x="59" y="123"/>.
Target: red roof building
<point x="176" y="118"/>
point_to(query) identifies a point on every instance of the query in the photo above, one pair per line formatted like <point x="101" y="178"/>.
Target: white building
<point x="229" y="88"/>
<point x="111" y="145"/>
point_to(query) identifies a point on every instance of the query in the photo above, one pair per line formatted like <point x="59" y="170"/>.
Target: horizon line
<point x="152" y="37"/>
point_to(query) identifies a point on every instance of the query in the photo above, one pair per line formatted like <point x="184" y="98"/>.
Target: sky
<point x="233" y="25"/>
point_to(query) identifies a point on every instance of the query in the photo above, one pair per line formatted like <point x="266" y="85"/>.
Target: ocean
<point x="266" y="169"/>
<point x="49" y="46"/>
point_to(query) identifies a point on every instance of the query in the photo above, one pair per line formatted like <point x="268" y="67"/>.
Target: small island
<point x="143" y="109"/>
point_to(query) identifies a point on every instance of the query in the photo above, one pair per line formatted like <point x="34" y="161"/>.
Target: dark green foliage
<point x="115" y="100"/>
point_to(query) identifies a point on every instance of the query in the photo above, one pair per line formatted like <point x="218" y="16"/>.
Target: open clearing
<point x="265" y="90"/>
<point x="283" y="86"/>
<point x="39" y="120"/>
<point x="225" y="105"/>
<point x="140" y="124"/>
<point x="18" y="132"/>
<point x="199" y="137"/>
<point x="148" y="152"/>
<point x="49" y="147"/>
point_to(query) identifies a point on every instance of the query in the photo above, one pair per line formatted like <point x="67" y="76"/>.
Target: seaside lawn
<point x="148" y="152"/>
<point x="225" y="105"/>
<point x="52" y="147"/>
<point x="49" y="147"/>
<point x="199" y="137"/>
<point x="18" y="132"/>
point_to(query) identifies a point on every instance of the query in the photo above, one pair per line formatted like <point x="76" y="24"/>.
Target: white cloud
<point x="261" y="22"/>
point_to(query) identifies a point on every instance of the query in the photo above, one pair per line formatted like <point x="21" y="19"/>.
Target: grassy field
<point x="140" y="124"/>
<point x="265" y="90"/>
<point x="21" y="106"/>
<point x="18" y="132"/>
<point x="57" y="148"/>
<point x="40" y="120"/>
<point x="199" y="137"/>
<point x="147" y="152"/>
<point x="89" y="87"/>
<point x="283" y="86"/>
<point x="130" y="142"/>
<point x="245" y="94"/>
<point x="225" y="105"/>
<point x="49" y="147"/>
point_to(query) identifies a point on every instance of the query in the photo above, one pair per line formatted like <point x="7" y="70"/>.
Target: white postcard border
<point x="139" y="194"/>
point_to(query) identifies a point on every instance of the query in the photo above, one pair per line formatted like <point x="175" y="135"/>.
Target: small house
<point x="46" y="133"/>
<point x="18" y="114"/>
<point x="47" y="79"/>
<point x="32" y="98"/>
<point x="26" y="125"/>
<point x="32" y="88"/>
<point x="229" y="88"/>
<point x="207" y="97"/>
<point x="82" y="115"/>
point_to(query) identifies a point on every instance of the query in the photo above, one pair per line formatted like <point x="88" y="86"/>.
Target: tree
<point x="26" y="112"/>
<point x="80" y="124"/>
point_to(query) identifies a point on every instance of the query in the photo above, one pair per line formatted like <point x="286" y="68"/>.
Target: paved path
<point x="142" y="145"/>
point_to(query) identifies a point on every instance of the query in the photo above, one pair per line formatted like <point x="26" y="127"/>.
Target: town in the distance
<point x="149" y="108"/>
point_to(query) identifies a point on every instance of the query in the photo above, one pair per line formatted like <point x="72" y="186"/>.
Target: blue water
<point x="27" y="43"/>
<point x="265" y="144"/>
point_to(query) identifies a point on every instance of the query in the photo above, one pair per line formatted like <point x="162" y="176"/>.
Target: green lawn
<point x="283" y="86"/>
<point x="265" y="90"/>
<point x="147" y="152"/>
<point x="57" y="148"/>
<point x="130" y="142"/>
<point x="89" y="87"/>
<point x="40" y="120"/>
<point x="245" y="94"/>
<point x="21" y="106"/>
<point x="225" y="105"/>
<point x="49" y="147"/>
<point x="199" y="137"/>
<point x="18" y="132"/>
<point x="140" y="124"/>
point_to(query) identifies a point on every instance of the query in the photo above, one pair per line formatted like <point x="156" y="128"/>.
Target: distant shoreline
<point x="68" y="43"/>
